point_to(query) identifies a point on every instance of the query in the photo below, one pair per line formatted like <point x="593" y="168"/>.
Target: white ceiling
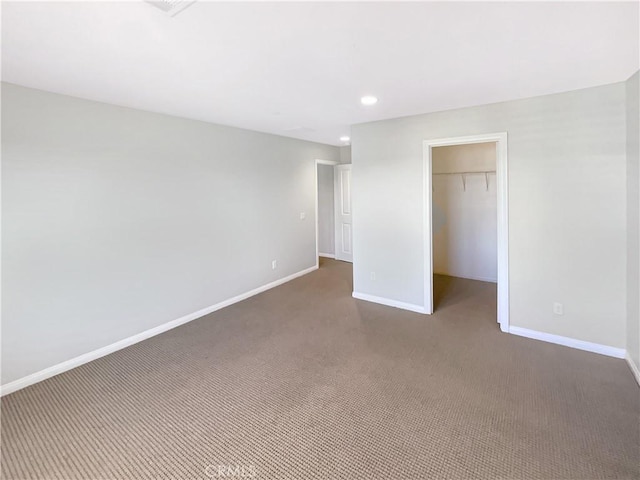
<point x="299" y="69"/>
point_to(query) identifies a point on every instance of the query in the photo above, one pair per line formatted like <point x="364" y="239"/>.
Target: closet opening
<point x="466" y="244"/>
<point x="464" y="220"/>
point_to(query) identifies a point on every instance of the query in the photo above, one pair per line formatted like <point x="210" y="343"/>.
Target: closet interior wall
<point x="465" y="211"/>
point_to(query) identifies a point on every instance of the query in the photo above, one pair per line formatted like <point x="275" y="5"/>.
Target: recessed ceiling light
<point x="368" y="100"/>
<point x="344" y="138"/>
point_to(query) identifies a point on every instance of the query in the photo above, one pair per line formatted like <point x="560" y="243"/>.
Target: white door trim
<point x="502" y="181"/>
<point x="320" y="162"/>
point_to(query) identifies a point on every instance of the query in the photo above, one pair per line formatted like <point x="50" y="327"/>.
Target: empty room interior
<point x="320" y="240"/>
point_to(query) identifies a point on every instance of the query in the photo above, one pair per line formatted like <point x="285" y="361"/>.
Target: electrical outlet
<point x="558" y="308"/>
<point x="373" y="275"/>
<point x="274" y="264"/>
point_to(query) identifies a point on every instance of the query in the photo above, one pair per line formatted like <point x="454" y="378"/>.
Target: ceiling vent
<point x="171" y="7"/>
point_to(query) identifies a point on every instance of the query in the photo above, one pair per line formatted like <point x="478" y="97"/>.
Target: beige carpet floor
<point x="303" y="382"/>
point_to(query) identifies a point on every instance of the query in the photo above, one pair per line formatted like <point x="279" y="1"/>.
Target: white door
<point x="342" y="202"/>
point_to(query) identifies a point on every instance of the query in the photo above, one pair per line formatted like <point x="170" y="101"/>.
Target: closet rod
<point x="464" y="178"/>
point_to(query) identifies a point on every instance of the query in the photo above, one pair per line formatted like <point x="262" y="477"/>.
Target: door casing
<point x="502" y="187"/>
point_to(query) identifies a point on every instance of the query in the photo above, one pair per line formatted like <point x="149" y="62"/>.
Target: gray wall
<point x="567" y="207"/>
<point x="115" y="221"/>
<point x="345" y="154"/>
<point x="633" y="219"/>
<point x="326" y="222"/>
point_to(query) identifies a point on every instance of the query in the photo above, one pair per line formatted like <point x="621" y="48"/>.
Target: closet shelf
<point x="463" y="175"/>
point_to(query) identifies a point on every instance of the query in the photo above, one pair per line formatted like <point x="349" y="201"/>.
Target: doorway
<point x="343" y="214"/>
<point x="333" y="211"/>
<point x="467" y="256"/>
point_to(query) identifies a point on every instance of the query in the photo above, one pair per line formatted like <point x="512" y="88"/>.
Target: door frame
<point x="502" y="187"/>
<point x="332" y="163"/>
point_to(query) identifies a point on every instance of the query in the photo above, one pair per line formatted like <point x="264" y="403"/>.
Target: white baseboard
<point x="390" y="303"/>
<point x="101" y="352"/>
<point x="634" y="368"/>
<point x="569" y="342"/>
<point x="327" y="255"/>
